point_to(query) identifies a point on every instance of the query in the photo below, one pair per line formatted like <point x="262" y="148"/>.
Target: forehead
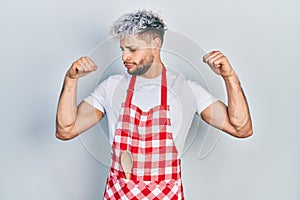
<point x="132" y="40"/>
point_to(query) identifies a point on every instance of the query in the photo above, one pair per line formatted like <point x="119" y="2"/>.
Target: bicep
<point x="87" y="116"/>
<point x="217" y="115"/>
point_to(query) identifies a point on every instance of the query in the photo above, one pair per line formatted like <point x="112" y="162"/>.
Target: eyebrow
<point x="129" y="47"/>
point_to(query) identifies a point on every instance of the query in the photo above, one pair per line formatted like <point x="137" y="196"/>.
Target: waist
<point x="151" y="175"/>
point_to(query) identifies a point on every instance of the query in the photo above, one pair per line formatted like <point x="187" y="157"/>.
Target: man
<point x="149" y="110"/>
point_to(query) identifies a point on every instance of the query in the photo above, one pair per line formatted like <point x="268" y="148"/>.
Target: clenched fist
<point x="81" y="67"/>
<point x="218" y="63"/>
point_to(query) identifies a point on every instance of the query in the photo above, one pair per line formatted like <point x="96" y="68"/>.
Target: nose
<point x="126" y="56"/>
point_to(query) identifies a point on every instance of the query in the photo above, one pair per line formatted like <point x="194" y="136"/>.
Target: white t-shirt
<point x="184" y="96"/>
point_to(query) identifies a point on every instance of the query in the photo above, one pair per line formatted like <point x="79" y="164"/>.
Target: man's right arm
<point x="71" y="120"/>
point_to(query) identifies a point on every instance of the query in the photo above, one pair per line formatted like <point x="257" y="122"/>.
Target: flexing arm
<point x="71" y="120"/>
<point x="234" y="119"/>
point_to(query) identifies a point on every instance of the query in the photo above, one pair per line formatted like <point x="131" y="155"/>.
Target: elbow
<point x="61" y="136"/>
<point x="245" y="133"/>
<point x="243" y="129"/>
<point x="64" y="135"/>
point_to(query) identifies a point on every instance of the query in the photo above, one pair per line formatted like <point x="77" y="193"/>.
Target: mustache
<point x="130" y="63"/>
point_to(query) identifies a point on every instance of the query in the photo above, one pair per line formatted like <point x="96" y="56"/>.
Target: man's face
<point x="137" y="55"/>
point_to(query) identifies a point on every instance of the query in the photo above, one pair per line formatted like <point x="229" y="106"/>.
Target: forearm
<point x="238" y="110"/>
<point x="67" y="106"/>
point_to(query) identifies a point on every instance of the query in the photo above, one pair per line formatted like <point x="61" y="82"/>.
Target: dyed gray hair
<point x="146" y="24"/>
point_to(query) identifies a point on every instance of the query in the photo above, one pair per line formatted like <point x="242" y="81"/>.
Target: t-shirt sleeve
<point x="98" y="97"/>
<point x="202" y="96"/>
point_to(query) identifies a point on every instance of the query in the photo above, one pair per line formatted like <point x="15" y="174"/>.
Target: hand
<point x="81" y="67"/>
<point x="218" y="63"/>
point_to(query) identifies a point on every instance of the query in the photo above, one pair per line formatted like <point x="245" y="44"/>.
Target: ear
<point x="157" y="43"/>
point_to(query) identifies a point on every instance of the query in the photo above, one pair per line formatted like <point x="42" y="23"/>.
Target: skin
<point x="136" y="51"/>
<point x="233" y="119"/>
<point x="72" y="120"/>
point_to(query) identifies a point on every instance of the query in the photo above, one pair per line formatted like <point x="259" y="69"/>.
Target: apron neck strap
<point x="163" y="88"/>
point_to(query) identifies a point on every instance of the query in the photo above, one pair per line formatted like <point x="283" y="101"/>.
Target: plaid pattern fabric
<point x="121" y="188"/>
<point x="156" y="168"/>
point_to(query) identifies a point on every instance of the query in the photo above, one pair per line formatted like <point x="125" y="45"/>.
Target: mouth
<point x="128" y="65"/>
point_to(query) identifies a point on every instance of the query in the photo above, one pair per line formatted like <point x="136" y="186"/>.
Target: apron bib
<point x="156" y="172"/>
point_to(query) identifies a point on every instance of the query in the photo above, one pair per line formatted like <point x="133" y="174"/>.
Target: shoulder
<point x="181" y="83"/>
<point x="115" y="77"/>
<point x="175" y="78"/>
<point x="107" y="84"/>
<point x="111" y="80"/>
<point x="178" y="79"/>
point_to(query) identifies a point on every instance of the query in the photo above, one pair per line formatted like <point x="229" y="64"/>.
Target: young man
<point x="149" y="110"/>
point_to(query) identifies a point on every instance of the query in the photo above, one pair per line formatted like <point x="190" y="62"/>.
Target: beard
<point x="142" y="67"/>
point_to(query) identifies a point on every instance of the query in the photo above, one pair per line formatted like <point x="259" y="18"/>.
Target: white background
<point x="39" y="39"/>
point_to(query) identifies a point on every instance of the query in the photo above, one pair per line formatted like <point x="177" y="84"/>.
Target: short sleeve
<point x="202" y="96"/>
<point x="98" y="96"/>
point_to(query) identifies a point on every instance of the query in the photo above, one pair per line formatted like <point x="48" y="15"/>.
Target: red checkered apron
<point x="156" y="169"/>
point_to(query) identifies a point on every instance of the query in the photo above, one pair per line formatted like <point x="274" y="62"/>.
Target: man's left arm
<point x="235" y="118"/>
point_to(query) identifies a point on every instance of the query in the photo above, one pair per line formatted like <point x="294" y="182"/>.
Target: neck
<point x="154" y="71"/>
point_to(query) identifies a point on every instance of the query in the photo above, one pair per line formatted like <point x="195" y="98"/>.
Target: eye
<point x="132" y="49"/>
